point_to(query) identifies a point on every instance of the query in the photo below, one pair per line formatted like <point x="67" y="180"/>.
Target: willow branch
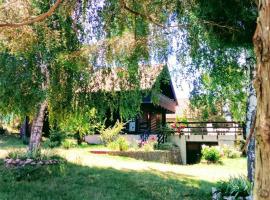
<point x="144" y="16"/>
<point x="153" y="21"/>
<point x="33" y="19"/>
<point x="212" y="23"/>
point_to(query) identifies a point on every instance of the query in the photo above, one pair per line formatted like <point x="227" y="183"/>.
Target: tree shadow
<point x="10" y="141"/>
<point x="72" y="181"/>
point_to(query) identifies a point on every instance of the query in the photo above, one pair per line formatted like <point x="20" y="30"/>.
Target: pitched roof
<point x="116" y="79"/>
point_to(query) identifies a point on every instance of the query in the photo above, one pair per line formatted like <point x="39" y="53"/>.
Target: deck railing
<point x="213" y="128"/>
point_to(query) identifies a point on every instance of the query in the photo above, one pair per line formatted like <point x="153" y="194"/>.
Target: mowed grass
<point x="90" y="176"/>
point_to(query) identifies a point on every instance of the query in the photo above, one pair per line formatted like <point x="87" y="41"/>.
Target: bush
<point x="231" y="152"/>
<point x="67" y="144"/>
<point x="166" y="130"/>
<point x="165" y="146"/>
<point x="113" y="145"/>
<point x="56" y="138"/>
<point x="110" y="134"/>
<point x="148" y="146"/>
<point x="81" y="122"/>
<point x="17" y="155"/>
<point x="211" y="154"/>
<point x="134" y="145"/>
<point x="236" y="187"/>
<point x="234" y="154"/>
<point x="120" y="144"/>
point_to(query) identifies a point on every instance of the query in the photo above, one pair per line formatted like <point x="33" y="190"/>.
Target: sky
<point x="176" y="42"/>
<point x="177" y="59"/>
<point x="181" y="86"/>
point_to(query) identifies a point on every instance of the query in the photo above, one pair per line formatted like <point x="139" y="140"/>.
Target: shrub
<point x="165" y="146"/>
<point x="211" y="154"/>
<point x="119" y="144"/>
<point x="81" y="122"/>
<point x="149" y="145"/>
<point x="134" y="145"/>
<point x="123" y="144"/>
<point x="166" y="130"/>
<point x="231" y="152"/>
<point x="236" y="187"/>
<point x="56" y="138"/>
<point x="67" y="144"/>
<point x="113" y="145"/>
<point x="110" y="134"/>
<point x="17" y="155"/>
<point x="234" y="154"/>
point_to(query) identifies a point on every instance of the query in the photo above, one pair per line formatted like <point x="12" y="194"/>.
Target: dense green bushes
<point x="230" y="152"/>
<point x="215" y="153"/>
<point x="235" y="186"/>
<point x="68" y="143"/>
<point x="111" y="134"/>
<point x="211" y="154"/>
<point x="56" y="138"/>
<point x="120" y="144"/>
<point x="165" y="146"/>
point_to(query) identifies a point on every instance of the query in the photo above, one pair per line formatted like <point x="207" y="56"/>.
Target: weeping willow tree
<point x="49" y="59"/>
<point x="51" y="32"/>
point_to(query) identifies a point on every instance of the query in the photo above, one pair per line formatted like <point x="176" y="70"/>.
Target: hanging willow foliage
<point x="60" y="42"/>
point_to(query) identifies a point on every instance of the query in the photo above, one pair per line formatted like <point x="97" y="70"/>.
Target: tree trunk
<point x="24" y="127"/>
<point x="36" y="130"/>
<point x="250" y="117"/>
<point x="261" y="41"/>
<point x="79" y="138"/>
<point x="37" y="125"/>
<point x="24" y="130"/>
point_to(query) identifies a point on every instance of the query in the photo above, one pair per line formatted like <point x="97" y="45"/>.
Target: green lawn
<point x="89" y="176"/>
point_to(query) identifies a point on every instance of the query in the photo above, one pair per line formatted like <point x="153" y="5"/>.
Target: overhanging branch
<point x="144" y="16"/>
<point x="153" y="21"/>
<point x="33" y="19"/>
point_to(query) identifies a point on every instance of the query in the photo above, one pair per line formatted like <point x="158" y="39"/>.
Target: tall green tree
<point x="63" y="66"/>
<point x="225" y="24"/>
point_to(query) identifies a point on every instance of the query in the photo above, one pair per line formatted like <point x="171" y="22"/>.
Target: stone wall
<point x="173" y="156"/>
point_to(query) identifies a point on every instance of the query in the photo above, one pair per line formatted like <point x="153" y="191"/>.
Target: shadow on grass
<point x="8" y="141"/>
<point x="70" y="181"/>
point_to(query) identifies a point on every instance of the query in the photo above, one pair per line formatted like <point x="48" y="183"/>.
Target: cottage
<point x="155" y="103"/>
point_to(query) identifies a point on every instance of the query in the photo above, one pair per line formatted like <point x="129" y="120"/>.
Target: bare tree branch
<point x="33" y="19"/>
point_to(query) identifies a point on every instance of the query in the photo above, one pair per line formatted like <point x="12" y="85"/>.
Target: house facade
<point x="155" y="104"/>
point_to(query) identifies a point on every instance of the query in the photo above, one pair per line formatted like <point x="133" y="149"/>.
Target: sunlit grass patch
<point x="90" y="176"/>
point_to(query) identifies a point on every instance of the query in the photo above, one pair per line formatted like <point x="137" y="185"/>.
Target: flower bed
<point x="10" y="162"/>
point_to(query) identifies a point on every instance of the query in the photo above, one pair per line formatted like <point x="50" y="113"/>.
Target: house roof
<point x="116" y="79"/>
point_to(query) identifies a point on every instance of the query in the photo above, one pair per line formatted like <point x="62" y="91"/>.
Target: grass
<point x="98" y="177"/>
